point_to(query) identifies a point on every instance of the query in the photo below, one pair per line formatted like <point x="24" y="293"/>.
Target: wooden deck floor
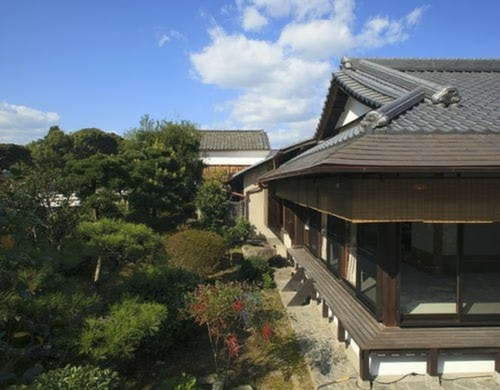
<point x="371" y="335"/>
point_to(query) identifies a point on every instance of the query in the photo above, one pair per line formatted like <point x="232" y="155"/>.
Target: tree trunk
<point x="97" y="270"/>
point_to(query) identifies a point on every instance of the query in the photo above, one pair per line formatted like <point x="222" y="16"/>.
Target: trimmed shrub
<point x="237" y="234"/>
<point x="257" y="270"/>
<point x="76" y="377"/>
<point x="197" y="251"/>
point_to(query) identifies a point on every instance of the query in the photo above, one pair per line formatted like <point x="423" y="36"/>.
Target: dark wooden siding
<point x="290" y="224"/>
<point x="228" y="169"/>
<point x="397" y="199"/>
<point x="274" y="214"/>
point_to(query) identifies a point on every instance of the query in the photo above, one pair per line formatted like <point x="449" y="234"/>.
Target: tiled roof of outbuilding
<point x="441" y="114"/>
<point x="234" y="140"/>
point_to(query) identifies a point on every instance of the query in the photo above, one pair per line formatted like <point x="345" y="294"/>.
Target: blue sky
<point x="222" y="64"/>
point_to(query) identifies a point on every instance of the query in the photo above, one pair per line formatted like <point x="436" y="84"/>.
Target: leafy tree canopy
<point x="11" y="154"/>
<point x="118" y="335"/>
<point x="165" y="170"/>
<point x="121" y="241"/>
<point x="52" y="151"/>
<point x="212" y="202"/>
<point x="88" y="142"/>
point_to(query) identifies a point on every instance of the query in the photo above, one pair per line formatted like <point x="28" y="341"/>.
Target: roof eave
<point x="336" y="168"/>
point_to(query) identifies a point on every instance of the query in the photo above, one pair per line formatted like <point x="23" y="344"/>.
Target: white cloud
<point x="380" y="31"/>
<point x="297" y="9"/>
<point x="283" y="81"/>
<point x="234" y="61"/>
<point x="21" y="124"/>
<point x="319" y="39"/>
<point x="253" y="20"/>
<point x="293" y="132"/>
<point x="255" y="110"/>
<point x="164" y="37"/>
<point x="415" y="16"/>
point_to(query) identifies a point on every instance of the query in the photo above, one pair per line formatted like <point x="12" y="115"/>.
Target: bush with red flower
<point x="231" y="312"/>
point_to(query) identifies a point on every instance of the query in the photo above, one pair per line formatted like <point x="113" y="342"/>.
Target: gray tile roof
<point x="478" y="110"/>
<point x="399" y="153"/>
<point x="455" y="126"/>
<point x="228" y="140"/>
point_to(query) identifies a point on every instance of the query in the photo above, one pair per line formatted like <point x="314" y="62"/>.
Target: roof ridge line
<point x="384" y="114"/>
<point x="234" y="130"/>
<point x="370" y="83"/>
<point x="437" y="93"/>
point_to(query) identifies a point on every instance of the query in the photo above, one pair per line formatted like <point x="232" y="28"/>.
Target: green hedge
<point x="197" y="251"/>
<point x="257" y="270"/>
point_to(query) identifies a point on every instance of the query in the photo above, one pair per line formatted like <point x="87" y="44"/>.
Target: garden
<point x="108" y="280"/>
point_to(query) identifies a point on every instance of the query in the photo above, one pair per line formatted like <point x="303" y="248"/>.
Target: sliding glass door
<point x="449" y="272"/>
<point x="357" y="258"/>
<point x="480" y="271"/>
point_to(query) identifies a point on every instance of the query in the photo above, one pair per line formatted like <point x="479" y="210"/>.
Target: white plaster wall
<point x="256" y="203"/>
<point x="352" y="352"/>
<point x="353" y="344"/>
<point x="461" y="364"/>
<point x="256" y="198"/>
<point x="397" y="365"/>
<point x="447" y="364"/>
<point x="242" y="157"/>
<point x="287" y="241"/>
<point x="324" y="242"/>
<point x="324" y="246"/>
<point x="352" y="111"/>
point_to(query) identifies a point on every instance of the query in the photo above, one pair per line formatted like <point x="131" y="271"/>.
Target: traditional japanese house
<point x="254" y="197"/>
<point x="232" y="150"/>
<point x="393" y="217"/>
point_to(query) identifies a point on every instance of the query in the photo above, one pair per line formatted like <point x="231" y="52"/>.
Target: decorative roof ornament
<point x="447" y="95"/>
<point x="345" y="63"/>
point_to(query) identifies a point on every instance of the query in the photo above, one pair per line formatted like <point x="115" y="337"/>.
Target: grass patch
<point x="278" y="364"/>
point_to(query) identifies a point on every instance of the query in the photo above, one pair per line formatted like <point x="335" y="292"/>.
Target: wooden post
<point x="497" y="361"/>
<point x="324" y="310"/>
<point x="432" y="362"/>
<point x="388" y="259"/>
<point x="340" y="332"/>
<point x="364" y="364"/>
